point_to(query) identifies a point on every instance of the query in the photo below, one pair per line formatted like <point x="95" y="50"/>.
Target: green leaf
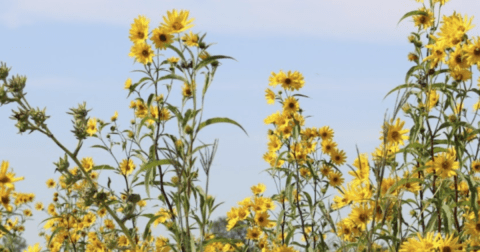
<point x="412" y="13"/>
<point x="219" y="120"/>
<point x="103" y="167"/>
<point x="154" y="163"/>
<point x="210" y="60"/>
<point x="411" y="70"/>
<point x="100" y="146"/>
<point x="173" y="77"/>
<point x="400" y="87"/>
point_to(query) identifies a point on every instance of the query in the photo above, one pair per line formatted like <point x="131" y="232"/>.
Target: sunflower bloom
<point x="335" y="178"/>
<point x="128" y="83"/>
<point x="190" y="39"/>
<point x="325" y="133"/>
<point x="177" y="21"/>
<point x="254" y="233"/>
<point x="424" y="21"/>
<point x="7" y="179"/>
<point x="127" y="166"/>
<point x="290" y="105"/>
<point x="338" y="157"/>
<point x="161" y="38"/>
<point x="139" y="30"/>
<point x="445" y="165"/>
<point x="142" y="52"/>
<point x="473" y="51"/>
<point x="395" y="133"/>
<point x="361" y="215"/>
<point x="92" y="126"/>
<point x="269" y="96"/>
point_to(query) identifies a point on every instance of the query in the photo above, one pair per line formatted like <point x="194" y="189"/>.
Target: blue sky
<point x="351" y="54"/>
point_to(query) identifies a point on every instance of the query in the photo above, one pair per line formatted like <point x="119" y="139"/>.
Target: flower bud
<point x="4" y="71"/>
<point x="188" y="130"/>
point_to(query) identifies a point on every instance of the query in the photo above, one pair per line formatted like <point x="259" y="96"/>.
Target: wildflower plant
<point x="417" y="191"/>
<point x="87" y="216"/>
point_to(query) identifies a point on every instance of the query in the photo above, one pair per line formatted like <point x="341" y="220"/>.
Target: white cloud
<point x="368" y="20"/>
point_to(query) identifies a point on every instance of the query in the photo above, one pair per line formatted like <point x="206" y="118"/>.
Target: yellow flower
<point x="270" y="96"/>
<point x="142" y="52"/>
<point x="127" y="166"/>
<point x="190" y="39"/>
<point x="161" y="38"/>
<point x="5" y="198"/>
<point x="290" y="105"/>
<point x="254" y="233"/>
<point x="460" y="74"/>
<point x="35" y="248"/>
<point x="114" y="117"/>
<point x="476" y="106"/>
<point x="445" y="165"/>
<point x="433" y="98"/>
<point x="177" y="21"/>
<point x="261" y="219"/>
<point x="141" y="110"/>
<point x="139" y="30"/>
<point x="39" y="206"/>
<point x="173" y="60"/>
<point x="361" y="215"/>
<point x="258" y="189"/>
<point x="128" y="83"/>
<point x="328" y="146"/>
<point x="7" y="179"/>
<point x="424" y="21"/>
<point x="187" y="90"/>
<point x="335" y="178"/>
<point x="473" y="51"/>
<point x="338" y="156"/>
<point x="92" y="126"/>
<point x="290" y="81"/>
<point x="395" y="133"/>
<point x="457" y="58"/>
<point x="476" y="166"/>
<point x="50" y="183"/>
<point x="164" y="114"/>
<point x="87" y="164"/>
<point x="442" y="2"/>
<point x="325" y="133"/>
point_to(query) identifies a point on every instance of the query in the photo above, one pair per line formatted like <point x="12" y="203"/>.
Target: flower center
<point x="288" y="81"/>
<point x="5" y="200"/>
<point x="291" y="105"/>
<point x="445" y="165"/>
<point x="446" y="249"/>
<point x="458" y="59"/>
<point x="423" y="20"/>
<point x="477" y="227"/>
<point x="395" y="134"/>
<point x="177" y="26"/>
<point x="145" y="53"/>
<point x="162" y="38"/>
<point x="4" y="179"/>
<point x="141" y="35"/>
<point x="362" y="217"/>
<point x="476" y="51"/>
